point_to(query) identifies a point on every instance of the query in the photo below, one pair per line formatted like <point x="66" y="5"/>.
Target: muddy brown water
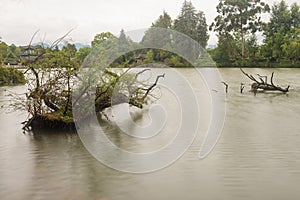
<point x="257" y="156"/>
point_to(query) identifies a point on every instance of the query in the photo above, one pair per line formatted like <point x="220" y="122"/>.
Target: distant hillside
<point x="77" y="45"/>
<point x="80" y="45"/>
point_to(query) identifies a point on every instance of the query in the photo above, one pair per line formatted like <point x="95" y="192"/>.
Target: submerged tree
<point x="54" y="77"/>
<point x="261" y="83"/>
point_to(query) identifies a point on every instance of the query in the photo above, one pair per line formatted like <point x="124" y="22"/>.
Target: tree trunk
<point x="243" y="41"/>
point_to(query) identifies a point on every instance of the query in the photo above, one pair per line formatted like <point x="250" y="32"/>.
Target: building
<point x="28" y="53"/>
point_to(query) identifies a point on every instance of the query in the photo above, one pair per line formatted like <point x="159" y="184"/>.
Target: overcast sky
<point x="19" y="19"/>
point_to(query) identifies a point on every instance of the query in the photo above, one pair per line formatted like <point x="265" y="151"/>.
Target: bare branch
<point x="263" y="85"/>
<point x="141" y="72"/>
<point x="32" y="38"/>
<point x="265" y="77"/>
<point x="272" y="76"/>
<point x="249" y="76"/>
<point x="56" y="42"/>
<point x="155" y="83"/>
<point x="226" y="87"/>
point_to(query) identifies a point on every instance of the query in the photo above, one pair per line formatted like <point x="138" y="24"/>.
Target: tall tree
<point x="239" y="17"/>
<point x="156" y="36"/>
<point x="125" y="43"/>
<point x="164" y="21"/>
<point x="202" y="34"/>
<point x="4" y="50"/>
<point x="192" y="23"/>
<point x="295" y="15"/>
<point x="291" y="45"/>
<point x="280" y="20"/>
<point x="99" y="38"/>
<point x="82" y="53"/>
<point x="281" y="42"/>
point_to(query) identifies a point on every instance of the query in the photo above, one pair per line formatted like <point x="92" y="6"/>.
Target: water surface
<point x="257" y="156"/>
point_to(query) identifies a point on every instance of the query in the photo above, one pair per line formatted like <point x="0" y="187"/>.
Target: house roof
<point x="28" y="47"/>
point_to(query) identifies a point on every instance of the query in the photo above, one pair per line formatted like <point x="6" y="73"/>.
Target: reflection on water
<point x="257" y="157"/>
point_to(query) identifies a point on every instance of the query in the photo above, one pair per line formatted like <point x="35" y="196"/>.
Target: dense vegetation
<point x="237" y="25"/>
<point x="9" y="54"/>
<point x="10" y="76"/>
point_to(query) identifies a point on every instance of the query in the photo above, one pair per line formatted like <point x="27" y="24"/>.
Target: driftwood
<point x="242" y="87"/>
<point x="226" y="86"/>
<point x="262" y="83"/>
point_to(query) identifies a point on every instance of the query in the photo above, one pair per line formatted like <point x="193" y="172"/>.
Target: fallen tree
<point x="262" y="83"/>
<point x="53" y="77"/>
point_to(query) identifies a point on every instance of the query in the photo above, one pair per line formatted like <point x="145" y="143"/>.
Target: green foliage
<point x="177" y="61"/>
<point x="282" y="34"/>
<point x="192" y="23"/>
<point x="149" y="57"/>
<point x="226" y="53"/>
<point x="100" y="38"/>
<point x="50" y="89"/>
<point x="124" y="42"/>
<point x="291" y="45"/>
<point x="11" y="76"/>
<point x="82" y="53"/>
<point x="239" y="18"/>
<point x="3" y="52"/>
<point x="159" y="37"/>
<point x="236" y="24"/>
<point x="9" y="54"/>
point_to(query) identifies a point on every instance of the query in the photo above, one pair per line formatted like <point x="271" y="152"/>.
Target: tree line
<point x="237" y="25"/>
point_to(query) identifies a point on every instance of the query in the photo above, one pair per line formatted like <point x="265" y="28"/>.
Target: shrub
<point x="11" y="76"/>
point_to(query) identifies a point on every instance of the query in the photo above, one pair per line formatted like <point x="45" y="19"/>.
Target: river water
<point x="256" y="157"/>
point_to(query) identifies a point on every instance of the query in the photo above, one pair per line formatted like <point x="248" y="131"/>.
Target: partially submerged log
<point x="226" y="87"/>
<point x="262" y="83"/>
<point x="242" y="87"/>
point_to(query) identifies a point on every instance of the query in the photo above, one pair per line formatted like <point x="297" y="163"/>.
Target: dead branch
<point x="150" y="88"/>
<point x="226" y="86"/>
<point x="265" y="77"/>
<point x="242" y="87"/>
<point x="263" y="84"/>
<point x="141" y="72"/>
